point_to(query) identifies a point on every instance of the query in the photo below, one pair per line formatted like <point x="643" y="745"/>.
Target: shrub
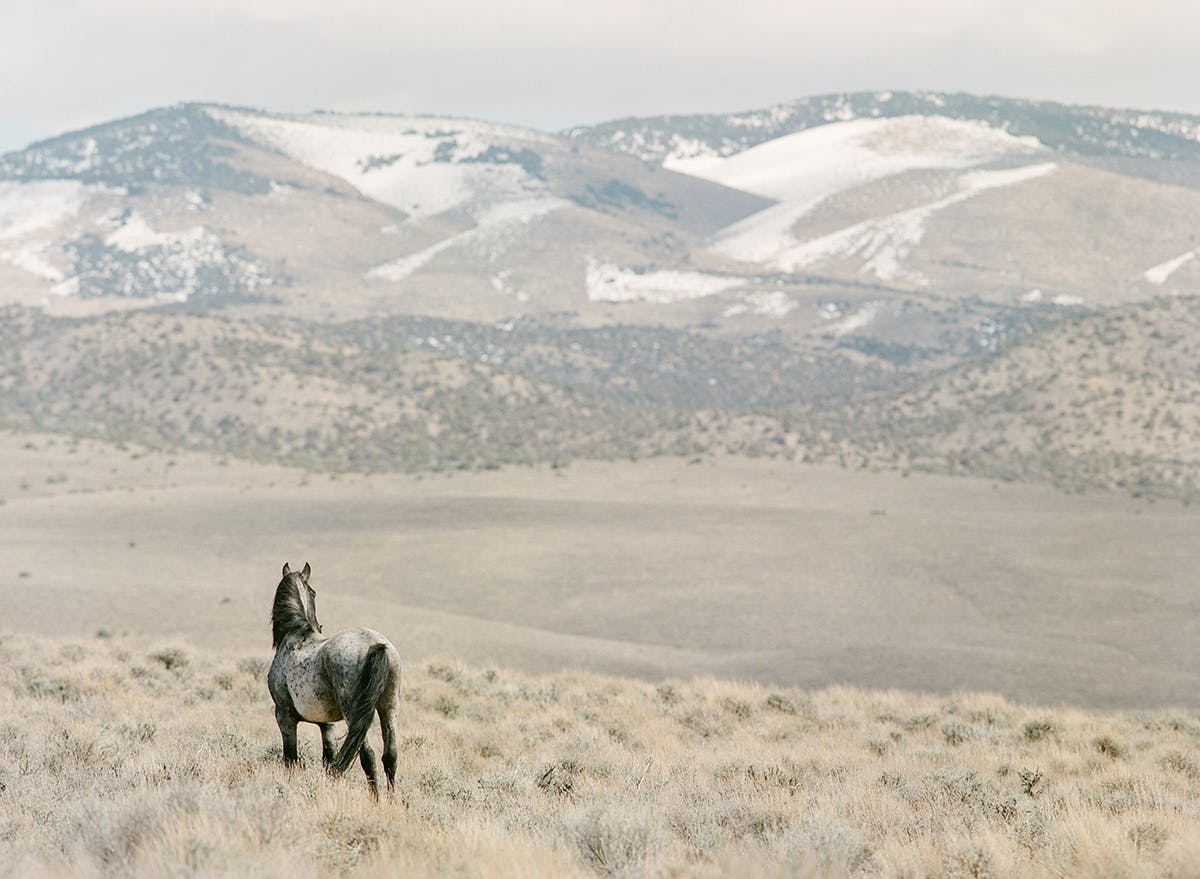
<point x="1110" y="747"/>
<point x="1037" y="730"/>
<point x="170" y="658"/>
<point x="781" y="703"/>
<point x="613" y="844"/>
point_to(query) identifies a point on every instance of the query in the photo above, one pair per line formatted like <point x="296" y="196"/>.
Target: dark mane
<point x="287" y="612"/>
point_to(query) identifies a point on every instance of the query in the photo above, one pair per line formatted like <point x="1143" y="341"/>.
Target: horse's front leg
<point x="328" y="743"/>
<point x="287" y="721"/>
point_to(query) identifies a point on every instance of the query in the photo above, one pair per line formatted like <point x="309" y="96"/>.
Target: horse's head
<point x="295" y="607"/>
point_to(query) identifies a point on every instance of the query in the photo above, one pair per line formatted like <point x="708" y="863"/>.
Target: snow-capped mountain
<point x="848" y="204"/>
<point x="856" y="278"/>
<point x="951" y="195"/>
<point x="420" y="166"/>
<point x="1077" y="130"/>
<point x="335" y="213"/>
<point x="801" y="171"/>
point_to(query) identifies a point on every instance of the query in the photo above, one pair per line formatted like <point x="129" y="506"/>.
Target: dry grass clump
<point x="153" y="760"/>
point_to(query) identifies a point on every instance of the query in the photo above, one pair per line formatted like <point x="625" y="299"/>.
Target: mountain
<point x="892" y="279"/>
<point x="1108" y="400"/>
<point x="955" y="194"/>
<point x="1074" y="130"/>
<point x="770" y="217"/>
<point x="332" y="215"/>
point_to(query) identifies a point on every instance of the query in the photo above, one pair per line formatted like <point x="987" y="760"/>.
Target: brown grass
<point x="122" y="759"/>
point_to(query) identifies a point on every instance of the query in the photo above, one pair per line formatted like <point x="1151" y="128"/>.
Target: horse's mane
<point x="288" y="615"/>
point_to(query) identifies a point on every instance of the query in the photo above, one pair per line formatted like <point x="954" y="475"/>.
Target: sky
<point x="550" y="64"/>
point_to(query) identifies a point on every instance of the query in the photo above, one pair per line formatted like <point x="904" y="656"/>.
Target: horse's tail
<point x="371" y="682"/>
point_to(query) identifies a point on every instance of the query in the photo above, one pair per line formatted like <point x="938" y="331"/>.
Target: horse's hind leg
<point x="366" y="756"/>
<point x="287" y="729"/>
<point x="387" y="723"/>
<point x="328" y="743"/>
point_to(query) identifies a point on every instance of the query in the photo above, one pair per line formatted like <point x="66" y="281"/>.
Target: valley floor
<point x="123" y="757"/>
<point x="776" y="572"/>
<point x="139" y="740"/>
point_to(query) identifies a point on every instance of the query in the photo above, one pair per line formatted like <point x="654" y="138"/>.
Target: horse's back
<point x="356" y="643"/>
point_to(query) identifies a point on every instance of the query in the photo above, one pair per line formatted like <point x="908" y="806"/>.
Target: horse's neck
<point x="301" y="642"/>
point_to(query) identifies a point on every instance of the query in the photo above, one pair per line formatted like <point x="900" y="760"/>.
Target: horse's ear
<point x="307" y="570"/>
<point x="287" y="569"/>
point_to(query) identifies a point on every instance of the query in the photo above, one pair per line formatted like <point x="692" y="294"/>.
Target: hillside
<point x="135" y="759"/>
<point x="330" y="214"/>
<point x="1090" y="131"/>
<point x="1108" y="400"/>
<point x="1081" y="399"/>
<point x="817" y="281"/>
<point x="951" y="194"/>
<point x="406" y="393"/>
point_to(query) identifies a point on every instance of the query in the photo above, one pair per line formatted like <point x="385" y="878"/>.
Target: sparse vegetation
<point x="1089" y="131"/>
<point x="407" y="394"/>
<point x="110" y="766"/>
<point x="1095" y="401"/>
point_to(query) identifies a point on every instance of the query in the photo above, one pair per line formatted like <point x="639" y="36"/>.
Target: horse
<point x="352" y="675"/>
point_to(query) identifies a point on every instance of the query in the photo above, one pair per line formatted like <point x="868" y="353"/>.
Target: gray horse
<point x="321" y="680"/>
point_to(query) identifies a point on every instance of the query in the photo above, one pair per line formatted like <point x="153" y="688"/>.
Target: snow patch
<point x="1159" y="273"/>
<point x="818" y="162"/>
<point x="1032" y="296"/>
<point x="855" y="321"/>
<point x="69" y="287"/>
<point x="135" y="234"/>
<point x="31" y="259"/>
<point x="692" y="152"/>
<point x="884" y="242"/>
<point x="401" y="268"/>
<point x="801" y="170"/>
<point x="31" y="213"/>
<point x="763" y="236"/>
<point x="28" y="207"/>
<point x="606" y="282"/>
<point x="501" y="284"/>
<point x="770" y="303"/>
<point x="1065" y="299"/>
<point x="422" y="166"/>
<point x="495" y="224"/>
<point x="135" y="262"/>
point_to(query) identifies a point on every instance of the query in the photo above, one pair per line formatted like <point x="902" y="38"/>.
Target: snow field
<point x="495" y="224"/>
<point x="606" y="282"/>
<point x="801" y="170"/>
<point x="1160" y="273"/>
<point x="414" y="164"/>
<point x="884" y="242"/>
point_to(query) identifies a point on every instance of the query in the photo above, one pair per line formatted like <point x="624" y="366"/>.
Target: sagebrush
<point x="115" y="761"/>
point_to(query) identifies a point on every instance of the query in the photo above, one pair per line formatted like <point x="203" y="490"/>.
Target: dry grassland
<point x="781" y="573"/>
<point x="124" y="758"/>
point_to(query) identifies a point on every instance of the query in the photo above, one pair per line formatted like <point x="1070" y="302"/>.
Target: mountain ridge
<point x="1174" y="134"/>
<point x="551" y="297"/>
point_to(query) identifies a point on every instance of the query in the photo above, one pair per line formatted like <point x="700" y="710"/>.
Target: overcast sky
<point x="65" y="64"/>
